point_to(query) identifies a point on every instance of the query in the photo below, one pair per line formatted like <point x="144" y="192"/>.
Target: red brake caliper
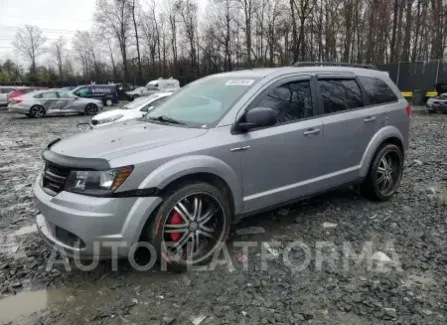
<point x="175" y="220"/>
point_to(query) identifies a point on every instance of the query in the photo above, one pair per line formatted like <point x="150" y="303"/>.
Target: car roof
<point x="275" y="72"/>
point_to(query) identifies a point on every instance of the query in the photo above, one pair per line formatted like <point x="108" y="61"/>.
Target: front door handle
<point x="312" y="131"/>
<point x="240" y="149"/>
<point x="370" y="119"/>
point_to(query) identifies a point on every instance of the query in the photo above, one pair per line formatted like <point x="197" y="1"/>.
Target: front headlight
<point x="97" y="183"/>
<point x="110" y="119"/>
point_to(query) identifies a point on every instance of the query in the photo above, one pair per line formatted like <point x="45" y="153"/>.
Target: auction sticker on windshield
<point x="240" y="82"/>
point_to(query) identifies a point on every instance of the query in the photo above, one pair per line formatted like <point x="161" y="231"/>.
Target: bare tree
<point x="115" y="16"/>
<point x="30" y="41"/>
<point x="58" y="50"/>
<point x="137" y="40"/>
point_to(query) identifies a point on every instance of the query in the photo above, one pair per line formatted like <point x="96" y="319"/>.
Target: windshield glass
<point x="204" y="102"/>
<point x="138" y="102"/>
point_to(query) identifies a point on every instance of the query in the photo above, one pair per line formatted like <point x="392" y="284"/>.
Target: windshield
<point x="138" y="102"/>
<point x="204" y="102"/>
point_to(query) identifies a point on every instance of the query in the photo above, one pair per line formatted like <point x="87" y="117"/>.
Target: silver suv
<point x="224" y="147"/>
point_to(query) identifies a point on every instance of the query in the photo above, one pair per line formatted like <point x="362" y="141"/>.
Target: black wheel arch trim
<point x="76" y="162"/>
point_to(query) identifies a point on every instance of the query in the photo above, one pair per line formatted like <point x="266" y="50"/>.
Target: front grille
<point x="54" y="178"/>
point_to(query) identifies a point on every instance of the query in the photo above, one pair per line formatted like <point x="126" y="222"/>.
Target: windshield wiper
<point x="165" y="119"/>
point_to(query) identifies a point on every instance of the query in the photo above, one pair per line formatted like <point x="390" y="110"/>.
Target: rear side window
<point x="49" y="95"/>
<point x="340" y="95"/>
<point x="377" y="90"/>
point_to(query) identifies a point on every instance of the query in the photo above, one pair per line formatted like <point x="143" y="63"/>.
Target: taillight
<point x="17" y="100"/>
<point x="409" y="110"/>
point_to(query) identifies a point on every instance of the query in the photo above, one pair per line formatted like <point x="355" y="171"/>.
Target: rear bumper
<point x="18" y="109"/>
<point x="91" y="227"/>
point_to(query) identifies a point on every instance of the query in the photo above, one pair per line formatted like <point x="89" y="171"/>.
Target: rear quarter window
<point x="377" y="90"/>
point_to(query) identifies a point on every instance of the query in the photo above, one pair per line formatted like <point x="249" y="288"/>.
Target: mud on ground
<point x="410" y="229"/>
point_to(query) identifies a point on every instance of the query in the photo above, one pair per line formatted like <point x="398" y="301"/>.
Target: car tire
<point x="108" y="102"/>
<point x="37" y="111"/>
<point x="91" y="109"/>
<point x="384" y="174"/>
<point x="178" y="221"/>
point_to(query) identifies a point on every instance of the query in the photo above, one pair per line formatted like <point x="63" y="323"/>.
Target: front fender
<point x="183" y="166"/>
<point x="382" y="135"/>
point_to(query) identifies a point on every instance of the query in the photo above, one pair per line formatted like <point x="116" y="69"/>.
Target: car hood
<point x="122" y="139"/>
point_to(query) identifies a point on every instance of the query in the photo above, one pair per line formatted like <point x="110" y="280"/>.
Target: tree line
<point x="138" y="40"/>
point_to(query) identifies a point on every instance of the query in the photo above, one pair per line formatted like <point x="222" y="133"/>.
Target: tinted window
<point x="377" y="90"/>
<point x="83" y="91"/>
<point x="49" y="95"/>
<point x="5" y="90"/>
<point x="291" y="101"/>
<point x="340" y="94"/>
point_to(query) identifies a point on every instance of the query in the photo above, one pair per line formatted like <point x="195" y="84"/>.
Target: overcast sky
<point x="55" y="17"/>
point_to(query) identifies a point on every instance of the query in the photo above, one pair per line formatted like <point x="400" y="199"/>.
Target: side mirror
<point x="257" y="117"/>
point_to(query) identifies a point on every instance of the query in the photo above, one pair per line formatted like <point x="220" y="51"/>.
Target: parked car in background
<point x="4" y="91"/>
<point x="53" y="102"/>
<point x="224" y="147"/>
<point x="437" y="104"/>
<point x="22" y="91"/>
<point x="136" y="109"/>
<point x="163" y="85"/>
<point x="139" y="92"/>
<point x="105" y="93"/>
<point x="122" y="88"/>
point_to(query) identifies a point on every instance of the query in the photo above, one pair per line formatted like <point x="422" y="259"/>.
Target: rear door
<point x="50" y="101"/>
<point x="67" y="102"/>
<point x="349" y="125"/>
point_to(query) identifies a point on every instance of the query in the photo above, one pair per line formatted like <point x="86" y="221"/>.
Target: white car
<point x="136" y="109"/>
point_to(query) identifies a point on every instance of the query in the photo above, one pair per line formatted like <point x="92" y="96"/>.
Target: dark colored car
<point x="441" y="87"/>
<point x="122" y="88"/>
<point x="106" y="93"/>
<point x="437" y="104"/>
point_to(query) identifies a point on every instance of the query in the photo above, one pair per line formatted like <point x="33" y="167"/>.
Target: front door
<point x="280" y="162"/>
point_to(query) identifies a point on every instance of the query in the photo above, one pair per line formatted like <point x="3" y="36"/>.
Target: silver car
<point x="4" y="91"/>
<point x="52" y="102"/>
<point x="224" y="147"/>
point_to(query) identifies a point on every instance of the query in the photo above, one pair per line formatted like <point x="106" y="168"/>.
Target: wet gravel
<point x="410" y="229"/>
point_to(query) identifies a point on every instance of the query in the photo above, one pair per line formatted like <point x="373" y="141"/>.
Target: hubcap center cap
<point x="193" y="226"/>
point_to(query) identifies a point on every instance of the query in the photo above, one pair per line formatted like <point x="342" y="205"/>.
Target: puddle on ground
<point x="10" y="243"/>
<point x="24" y="231"/>
<point x="28" y="302"/>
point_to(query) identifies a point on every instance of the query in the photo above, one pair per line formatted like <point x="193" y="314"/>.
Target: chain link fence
<point x="410" y="76"/>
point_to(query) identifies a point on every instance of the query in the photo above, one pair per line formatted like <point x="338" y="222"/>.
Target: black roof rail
<point x="334" y="64"/>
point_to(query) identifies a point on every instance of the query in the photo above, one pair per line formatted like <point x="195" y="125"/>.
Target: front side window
<point x="340" y="95"/>
<point x="291" y="101"/>
<point x="202" y="103"/>
<point x="84" y="91"/>
<point x="377" y="90"/>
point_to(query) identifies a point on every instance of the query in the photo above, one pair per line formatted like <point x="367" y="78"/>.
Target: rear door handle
<point x="370" y="119"/>
<point x="312" y="131"/>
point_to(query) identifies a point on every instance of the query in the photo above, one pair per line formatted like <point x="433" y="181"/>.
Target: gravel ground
<point x="410" y="230"/>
